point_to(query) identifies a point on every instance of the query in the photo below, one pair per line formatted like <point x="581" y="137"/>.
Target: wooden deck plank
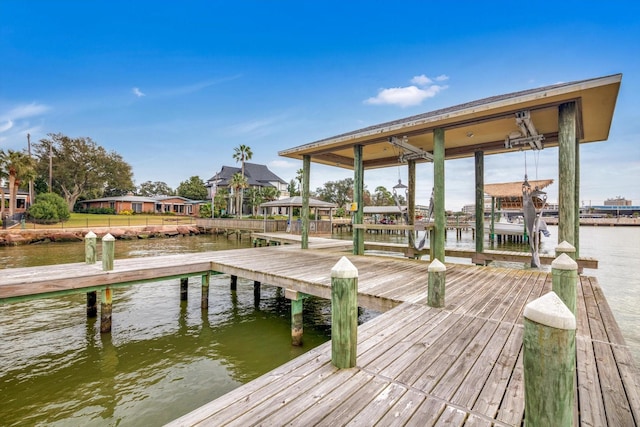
<point x="416" y="365"/>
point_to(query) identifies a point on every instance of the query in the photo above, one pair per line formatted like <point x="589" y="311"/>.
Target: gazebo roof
<point x="513" y="189"/>
<point x="296" y="201"/>
<point x="479" y="125"/>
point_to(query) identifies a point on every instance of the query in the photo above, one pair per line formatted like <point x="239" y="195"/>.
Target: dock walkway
<point x="416" y="365"/>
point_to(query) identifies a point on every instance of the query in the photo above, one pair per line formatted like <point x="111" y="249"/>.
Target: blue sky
<point x="174" y="86"/>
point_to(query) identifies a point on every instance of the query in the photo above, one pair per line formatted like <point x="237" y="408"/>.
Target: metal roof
<point x="479" y="125"/>
<point x="296" y="201"/>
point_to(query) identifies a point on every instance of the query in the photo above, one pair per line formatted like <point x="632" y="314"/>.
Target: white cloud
<point x="137" y="92"/>
<point x="5" y="127"/>
<point x="421" y="89"/>
<point x="24" y="111"/>
<point x="283" y="164"/>
<point x="421" y="80"/>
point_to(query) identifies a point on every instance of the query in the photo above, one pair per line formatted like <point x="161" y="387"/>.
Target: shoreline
<point x="596" y="222"/>
<point x="15" y="237"/>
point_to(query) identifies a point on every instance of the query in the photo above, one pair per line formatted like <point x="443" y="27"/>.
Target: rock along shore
<point x="14" y="237"/>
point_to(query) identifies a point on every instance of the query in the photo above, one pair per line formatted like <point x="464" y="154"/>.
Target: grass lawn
<point x="81" y="220"/>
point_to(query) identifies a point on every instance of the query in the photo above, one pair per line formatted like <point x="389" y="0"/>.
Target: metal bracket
<point x="527" y="135"/>
<point x="408" y="151"/>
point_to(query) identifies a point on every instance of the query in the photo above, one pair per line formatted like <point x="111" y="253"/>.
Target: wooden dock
<point x="416" y="365"/>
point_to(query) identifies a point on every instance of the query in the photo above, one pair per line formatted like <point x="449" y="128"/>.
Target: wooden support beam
<point x="358" y="198"/>
<point x="411" y="200"/>
<point x="256" y="292"/>
<point x="92" y="304"/>
<point x="567" y="172"/>
<point x="184" y="288"/>
<point x="234" y="282"/>
<point x="306" y="169"/>
<point x="106" y="300"/>
<point x="204" y="300"/>
<point x="438" y="195"/>
<point x="479" y="166"/>
<point x="90" y="248"/>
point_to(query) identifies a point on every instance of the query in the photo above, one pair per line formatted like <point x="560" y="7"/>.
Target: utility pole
<point x="50" y="165"/>
<point x="31" y="180"/>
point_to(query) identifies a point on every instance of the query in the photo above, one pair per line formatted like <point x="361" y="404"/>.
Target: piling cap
<point x="565" y="246"/>
<point x="436" y="266"/>
<point x="549" y="310"/>
<point x="90" y="235"/>
<point x="564" y="262"/>
<point x="344" y="269"/>
<point x="108" y="237"/>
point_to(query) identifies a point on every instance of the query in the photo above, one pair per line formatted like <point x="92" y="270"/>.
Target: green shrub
<point x="49" y="207"/>
<point x="205" y="211"/>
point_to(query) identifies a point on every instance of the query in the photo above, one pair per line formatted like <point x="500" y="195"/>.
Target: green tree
<point x="220" y="201"/>
<point x="255" y="198"/>
<point x="205" y="211"/>
<point x="81" y="167"/>
<point x="153" y="189"/>
<point x="238" y="183"/>
<point x="242" y="153"/>
<point x="18" y="166"/>
<point x="292" y="188"/>
<point x="49" y="207"/>
<point x="338" y="192"/>
<point x="193" y="188"/>
<point x="300" y="178"/>
<point x="382" y="197"/>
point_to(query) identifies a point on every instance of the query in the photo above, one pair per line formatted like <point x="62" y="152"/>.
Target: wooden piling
<point x="564" y="276"/>
<point x="106" y="299"/>
<point x="437" y="273"/>
<point x="256" y="292"/>
<point x="184" y="288"/>
<point x="566" y="248"/>
<point x="344" y="314"/>
<point x="90" y="251"/>
<point x="90" y="256"/>
<point x="204" y="300"/>
<point x="549" y="362"/>
<point x="234" y="282"/>
<point x="92" y="304"/>
<point x="296" y="316"/>
<point x="108" y="252"/>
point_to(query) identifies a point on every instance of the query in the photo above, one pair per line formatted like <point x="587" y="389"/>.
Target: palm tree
<point x="19" y="166"/>
<point x="242" y="153"/>
<point x="238" y="182"/>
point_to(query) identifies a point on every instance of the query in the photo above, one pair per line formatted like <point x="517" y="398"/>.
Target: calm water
<point x="165" y="358"/>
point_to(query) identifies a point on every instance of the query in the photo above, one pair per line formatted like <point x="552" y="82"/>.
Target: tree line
<point x="79" y="169"/>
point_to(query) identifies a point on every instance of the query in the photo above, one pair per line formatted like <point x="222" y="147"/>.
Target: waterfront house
<point x="176" y="205"/>
<point x="258" y="176"/>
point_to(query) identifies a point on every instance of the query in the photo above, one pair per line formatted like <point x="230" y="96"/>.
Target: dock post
<point x="184" y="288"/>
<point x="90" y="248"/>
<point x="437" y="273"/>
<point x="566" y="248"/>
<point x="204" y="300"/>
<point x="108" y="252"/>
<point x="256" y="293"/>
<point x="549" y="362"/>
<point x="106" y="299"/>
<point x="344" y="314"/>
<point x="564" y="276"/>
<point x="90" y="258"/>
<point x="234" y="282"/>
<point x="296" y="316"/>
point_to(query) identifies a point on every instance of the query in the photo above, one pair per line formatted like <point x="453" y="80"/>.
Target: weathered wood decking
<point x="461" y="365"/>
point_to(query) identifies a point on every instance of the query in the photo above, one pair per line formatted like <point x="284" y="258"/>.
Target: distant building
<point x="257" y="176"/>
<point x="139" y="204"/>
<point x="22" y="201"/>
<point x="618" y="201"/>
